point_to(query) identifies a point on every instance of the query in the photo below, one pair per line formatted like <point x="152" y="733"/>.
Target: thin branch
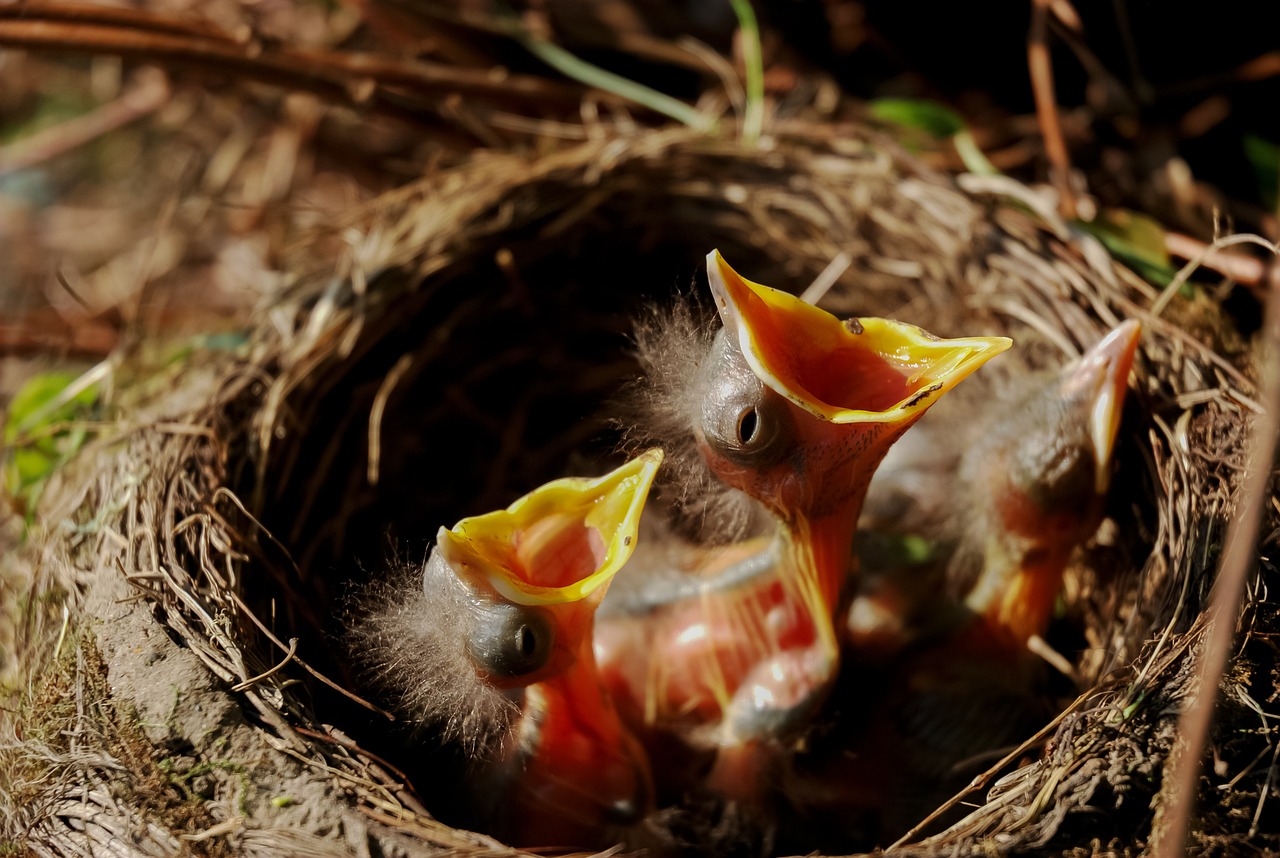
<point x="1163" y="299"/>
<point x="986" y="777"/>
<point x="1041" y="69"/>
<point x="133" y="19"/>
<point x="1224" y="608"/>
<point x="362" y="79"/>
<point x="46" y="333"/>
<point x="376" y="412"/>
<point x="1237" y="266"/>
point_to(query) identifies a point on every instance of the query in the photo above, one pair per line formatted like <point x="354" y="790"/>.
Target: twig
<point x="721" y="67"/>
<point x="88" y="339"/>
<point x="1047" y="108"/>
<point x="1242" y="269"/>
<point x="1163" y="299"/>
<point x="822" y="284"/>
<point x="225" y="827"/>
<point x="134" y="19"/>
<point x="343" y="741"/>
<point x="376" y="412"/>
<point x="254" y="680"/>
<point x="985" y="778"/>
<point x="357" y="78"/>
<point x="1224" y="608"/>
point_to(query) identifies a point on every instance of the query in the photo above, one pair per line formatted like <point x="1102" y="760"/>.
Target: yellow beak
<point x="858" y="371"/>
<point x="560" y="543"/>
<point x="1102" y="376"/>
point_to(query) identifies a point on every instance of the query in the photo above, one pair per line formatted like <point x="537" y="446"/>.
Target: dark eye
<point x="748" y="426"/>
<point x="511" y="640"/>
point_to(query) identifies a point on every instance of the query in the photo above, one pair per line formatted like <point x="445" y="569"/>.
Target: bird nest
<point x="456" y="345"/>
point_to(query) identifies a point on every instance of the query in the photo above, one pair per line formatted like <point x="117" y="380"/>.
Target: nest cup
<point x="464" y="348"/>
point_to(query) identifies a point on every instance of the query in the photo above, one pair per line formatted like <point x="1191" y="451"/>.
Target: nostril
<point x="624" y="812"/>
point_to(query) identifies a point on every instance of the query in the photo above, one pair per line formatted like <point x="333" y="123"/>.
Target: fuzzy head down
<point x="407" y="633"/>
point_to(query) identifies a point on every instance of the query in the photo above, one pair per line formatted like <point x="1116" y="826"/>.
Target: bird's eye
<point x="748" y="426"/>
<point x="526" y="641"/>
<point x="511" y="641"/>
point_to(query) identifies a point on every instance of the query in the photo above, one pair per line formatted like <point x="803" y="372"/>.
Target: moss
<point x="73" y="690"/>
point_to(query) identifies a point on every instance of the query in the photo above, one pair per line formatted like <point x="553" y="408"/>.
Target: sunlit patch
<point x="693" y="634"/>
<point x="763" y="698"/>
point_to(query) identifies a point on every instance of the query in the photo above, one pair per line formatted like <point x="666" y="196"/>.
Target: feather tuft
<point x="659" y="409"/>
<point x="409" y="640"/>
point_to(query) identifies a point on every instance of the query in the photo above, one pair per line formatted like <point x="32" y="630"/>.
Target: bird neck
<point x="820" y="554"/>
<point x="582" y="768"/>
<point x="1019" y="584"/>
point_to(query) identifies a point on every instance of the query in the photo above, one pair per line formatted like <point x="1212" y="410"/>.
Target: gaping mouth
<point x="859" y="371"/>
<point x="561" y="542"/>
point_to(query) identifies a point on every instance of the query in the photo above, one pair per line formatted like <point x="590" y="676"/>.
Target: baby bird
<point x="1026" y="489"/>
<point x="797" y="408"/>
<point x="1044" y="476"/>
<point x="496" y="650"/>
<point x="958" y="681"/>
<point x="793" y="408"/>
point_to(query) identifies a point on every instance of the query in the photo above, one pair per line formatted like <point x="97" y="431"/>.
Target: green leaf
<point x="1128" y="711"/>
<point x="753" y="62"/>
<point x="937" y="121"/>
<point x="1136" y="240"/>
<point x="1264" y="156"/>
<point x="880" y="552"/>
<point x="35" y="432"/>
<point x="934" y="119"/>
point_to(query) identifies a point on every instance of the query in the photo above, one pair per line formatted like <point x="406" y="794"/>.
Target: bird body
<point x="798" y="409"/>
<point x="1027" y="486"/>
<point x="1047" y="472"/>
<point x="727" y="660"/>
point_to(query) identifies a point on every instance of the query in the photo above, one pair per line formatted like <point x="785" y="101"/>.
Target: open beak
<point x="562" y="542"/>
<point x="858" y="371"/>
<point x="1101" y="378"/>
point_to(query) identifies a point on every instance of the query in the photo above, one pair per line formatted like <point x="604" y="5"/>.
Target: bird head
<point x="1055" y="449"/>
<point x="797" y="407"/>
<point x="524" y="585"/>
<point x="536" y="571"/>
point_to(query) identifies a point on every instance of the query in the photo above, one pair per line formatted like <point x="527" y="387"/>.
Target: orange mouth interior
<point x="557" y="551"/>
<point x="852" y="375"/>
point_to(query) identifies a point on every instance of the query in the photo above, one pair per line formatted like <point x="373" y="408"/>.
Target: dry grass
<point x="240" y="520"/>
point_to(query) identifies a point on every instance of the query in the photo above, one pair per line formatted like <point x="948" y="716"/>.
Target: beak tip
<point x="1113" y="355"/>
